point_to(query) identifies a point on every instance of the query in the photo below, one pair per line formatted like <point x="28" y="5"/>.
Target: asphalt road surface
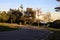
<point x="25" y="34"/>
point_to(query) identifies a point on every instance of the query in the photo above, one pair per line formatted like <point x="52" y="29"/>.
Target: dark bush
<point x="54" y="24"/>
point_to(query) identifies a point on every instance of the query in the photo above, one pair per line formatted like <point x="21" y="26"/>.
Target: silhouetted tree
<point x="55" y="24"/>
<point x="58" y="0"/>
<point x="29" y="16"/>
<point x="14" y="15"/>
<point x="57" y="8"/>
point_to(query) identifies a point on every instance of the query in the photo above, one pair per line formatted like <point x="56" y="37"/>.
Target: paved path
<point x="25" y="34"/>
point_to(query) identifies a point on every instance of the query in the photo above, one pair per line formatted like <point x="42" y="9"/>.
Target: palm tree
<point x="57" y="8"/>
<point x="58" y="0"/>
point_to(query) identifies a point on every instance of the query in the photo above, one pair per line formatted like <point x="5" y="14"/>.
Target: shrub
<point x="55" y="24"/>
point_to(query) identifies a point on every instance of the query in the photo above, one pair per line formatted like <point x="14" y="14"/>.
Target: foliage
<point x="4" y="16"/>
<point x="55" y="24"/>
<point x="14" y="15"/>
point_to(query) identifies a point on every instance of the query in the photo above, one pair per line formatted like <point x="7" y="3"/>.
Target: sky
<point x="45" y="5"/>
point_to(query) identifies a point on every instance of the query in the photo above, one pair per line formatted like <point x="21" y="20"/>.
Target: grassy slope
<point x="7" y="28"/>
<point x="54" y="36"/>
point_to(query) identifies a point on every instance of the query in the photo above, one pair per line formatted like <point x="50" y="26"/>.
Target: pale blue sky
<point x="45" y="5"/>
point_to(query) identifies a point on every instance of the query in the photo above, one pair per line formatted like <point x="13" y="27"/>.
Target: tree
<point x="57" y="8"/>
<point x="55" y="24"/>
<point x="58" y="0"/>
<point x="29" y="16"/>
<point x="14" y="15"/>
<point x="3" y="16"/>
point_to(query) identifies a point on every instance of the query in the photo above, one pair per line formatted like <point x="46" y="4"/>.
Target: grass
<point x="7" y="28"/>
<point x="54" y="36"/>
